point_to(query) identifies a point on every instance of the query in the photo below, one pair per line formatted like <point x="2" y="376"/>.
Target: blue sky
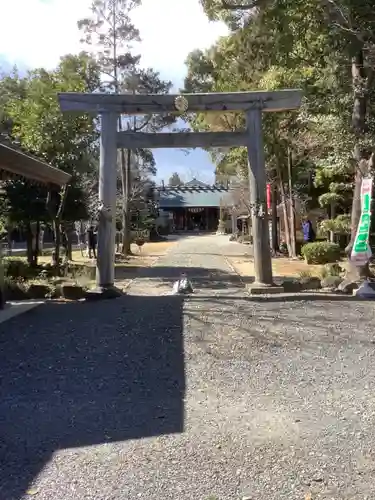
<point x="170" y="29"/>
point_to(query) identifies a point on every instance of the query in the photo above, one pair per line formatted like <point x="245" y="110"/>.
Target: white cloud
<point x="38" y="32"/>
<point x="170" y="29"/>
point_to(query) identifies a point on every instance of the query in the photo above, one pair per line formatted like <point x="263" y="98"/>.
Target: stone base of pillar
<point x="103" y="293"/>
<point x="263" y="289"/>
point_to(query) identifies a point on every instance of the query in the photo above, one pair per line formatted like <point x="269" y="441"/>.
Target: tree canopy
<point x="324" y="48"/>
<point x="175" y="180"/>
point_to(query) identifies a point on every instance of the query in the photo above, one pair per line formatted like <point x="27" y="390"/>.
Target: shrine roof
<point x="192" y="196"/>
<point x="14" y="162"/>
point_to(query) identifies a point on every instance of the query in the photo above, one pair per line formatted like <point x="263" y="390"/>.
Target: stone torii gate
<point x="110" y="106"/>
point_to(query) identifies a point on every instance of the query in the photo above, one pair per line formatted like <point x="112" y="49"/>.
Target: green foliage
<point x="16" y="202"/>
<point x="283" y="45"/>
<point x="31" y="115"/>
<point x="339" y="225"/>
<point x="320" y="252"/>
<point x="64" y="140"/>
<point x="305" y="274"/>
<point x="15" y="289"/>
<point x="16" y="268"/>
<point x="175" y="180"/>
<point x="331" y="270"/>
<point x="307" y="44"/>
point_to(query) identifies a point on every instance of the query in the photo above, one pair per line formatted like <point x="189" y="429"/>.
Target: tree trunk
<point x="56" y="215"/>
<point x="356" y="274"/>
<point x="36" y="234"/>
<point x="10" y="241"/>
<point x="29" y="245"/>
<point x="57" y="235"/>
<point x="125" y="183"/>
<point x="332" y="216"/>
<point x="283" y="200"/>
<point x="292" y="214"/>
<point x="275" y="239"/>
<point x="68" y="229"/>
<point x="126" y="186"/>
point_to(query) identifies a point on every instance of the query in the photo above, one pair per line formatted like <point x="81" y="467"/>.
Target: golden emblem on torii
<point x="181" y="104"/>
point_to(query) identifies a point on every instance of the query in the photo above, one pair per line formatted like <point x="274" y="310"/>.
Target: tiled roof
<point x="195" y="183"/>
<point x="181" y="197"/>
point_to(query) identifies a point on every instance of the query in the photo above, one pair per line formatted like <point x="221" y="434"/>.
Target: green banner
<point x="361" y="252"/>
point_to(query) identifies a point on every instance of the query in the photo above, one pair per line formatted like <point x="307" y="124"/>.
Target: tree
<point x="65" y="141"/>
<point x="246" y="60"/>
<point x="348" y="28"/>
<point x="175" y="180"/>
<point x="111" y="31"/>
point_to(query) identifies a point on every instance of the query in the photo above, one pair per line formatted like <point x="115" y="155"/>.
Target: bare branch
<point x="340" y="13"/>
<point x="143" y="125"/>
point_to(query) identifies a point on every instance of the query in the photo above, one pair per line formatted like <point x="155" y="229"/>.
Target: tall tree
<point x="65" y="141"/>
<point x="348" y="27"/>
<point x="111" y="31"/>
<point x="246" y="60"/>
<point x="175" y="180"/>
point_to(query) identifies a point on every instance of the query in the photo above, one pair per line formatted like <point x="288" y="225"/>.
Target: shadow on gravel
<point x="202" y="278"/>
<point x="302" y="296"/>
<point x="79" y="374"/>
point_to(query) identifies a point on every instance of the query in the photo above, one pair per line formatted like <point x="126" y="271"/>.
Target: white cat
<point x="183" y="285"/>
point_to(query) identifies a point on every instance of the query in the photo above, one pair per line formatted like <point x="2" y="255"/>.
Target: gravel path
<point x="215" y="397"/>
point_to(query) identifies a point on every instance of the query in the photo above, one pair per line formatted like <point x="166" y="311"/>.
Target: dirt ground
<point x="141" y="257"/>
<point x="281" y="267"/>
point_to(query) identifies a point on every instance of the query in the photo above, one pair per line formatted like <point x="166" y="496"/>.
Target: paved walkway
<point x="214" y="396"/>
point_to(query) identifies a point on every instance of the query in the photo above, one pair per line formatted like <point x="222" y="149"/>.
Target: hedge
<point x="321" y="252"/>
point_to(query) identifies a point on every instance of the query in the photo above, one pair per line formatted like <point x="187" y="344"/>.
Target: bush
<point x="39" y="291"/>
<point x="321" y="252"/>
<point x="305" y="274"/>
<point x="15" y="289"/>
<point x="331" y="282"/>
<point x="73" y="270"/>
<point x="17" y="268"/>
<point x="331" y="270"/>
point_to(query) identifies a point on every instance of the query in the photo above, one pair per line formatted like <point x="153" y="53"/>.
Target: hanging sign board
<point x="361" y="252"/>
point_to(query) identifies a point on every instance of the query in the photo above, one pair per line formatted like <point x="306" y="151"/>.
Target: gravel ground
<point x="215" y="397"/>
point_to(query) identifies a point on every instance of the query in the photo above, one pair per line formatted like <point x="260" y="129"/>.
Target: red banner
<point x="268" y="196"/>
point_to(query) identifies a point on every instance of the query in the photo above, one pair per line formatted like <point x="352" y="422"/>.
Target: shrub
<point x="312" y="283"/>
<point x="305" y="274"/>
<point x="15" y="289"/>
<point x="320" y="252"/>
<point x="16" y="268"/>
<point x="331" y="282"/>
<point x="332" y="270"/>
<point x="39" y="291"/>
<point x="73" y="270"/>
<point x="339" y="225"/>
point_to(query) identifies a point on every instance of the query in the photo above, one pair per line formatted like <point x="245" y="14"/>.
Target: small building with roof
<point x="15" y="164"/>
<point x="193" y="205"/>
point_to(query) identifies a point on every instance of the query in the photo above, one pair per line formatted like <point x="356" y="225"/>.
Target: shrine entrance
<point x="110" y="106"/>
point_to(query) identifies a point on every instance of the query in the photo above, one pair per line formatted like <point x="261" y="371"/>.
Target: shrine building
<point x="192" y="206"/>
